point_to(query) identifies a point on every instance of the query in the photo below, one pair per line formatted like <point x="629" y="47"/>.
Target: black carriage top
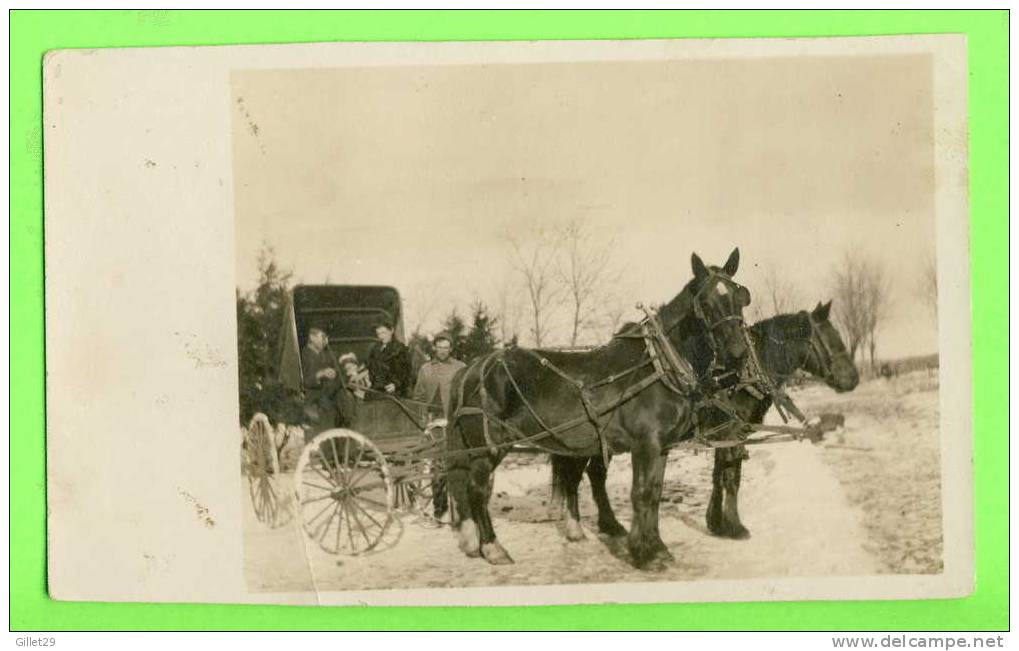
<point x="347" y="314"/>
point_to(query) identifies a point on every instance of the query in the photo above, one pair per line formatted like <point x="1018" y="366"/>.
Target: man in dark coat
<point x="389" y="363"/>
<point x="322" y="383"/>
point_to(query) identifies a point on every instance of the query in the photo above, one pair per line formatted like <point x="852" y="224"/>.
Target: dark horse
<point x="628" y="395"/>
<point x="784" y="344"/>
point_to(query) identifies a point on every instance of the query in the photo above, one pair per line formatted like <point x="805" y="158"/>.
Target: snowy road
<point x="806" y="507"/>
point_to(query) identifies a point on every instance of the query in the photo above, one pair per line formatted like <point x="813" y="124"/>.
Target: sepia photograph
<point x="509" y="323"/>
<point x="587" y="322"/>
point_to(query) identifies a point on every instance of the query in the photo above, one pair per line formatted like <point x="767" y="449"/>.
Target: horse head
<point x="718" y="303"/>
<point x="826" y="355"/>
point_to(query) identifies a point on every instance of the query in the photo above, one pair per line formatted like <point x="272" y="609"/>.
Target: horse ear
<point x="699" y="270"/>
<point x="732" y="264"/>
<point x="822" y="311"/>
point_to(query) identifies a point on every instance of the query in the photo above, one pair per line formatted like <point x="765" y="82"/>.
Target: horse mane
<point x="688" y="334"/>
<point x="772" y="337"/>
<point x="781" y="327"/>
<point x="628" y="328"/>
<point x="679" y="308"/>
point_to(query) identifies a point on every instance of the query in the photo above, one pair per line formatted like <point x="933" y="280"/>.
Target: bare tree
<point x="878" y="289"/>
<point x="776" y="294"/>
<point x="588" y="274"/>
<point x="614" y="317"/>
<point x="861" y="291"/>
<point x="420" y="305"/>
<point x="507" y="309"/>
<point x="533" y="259"/>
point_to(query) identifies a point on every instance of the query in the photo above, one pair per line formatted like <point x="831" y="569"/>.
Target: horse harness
<point x="760" y="383"/>
<point x="820" y="350"/>
<point x="819" y="344"/>
<point x="668" y="367"/>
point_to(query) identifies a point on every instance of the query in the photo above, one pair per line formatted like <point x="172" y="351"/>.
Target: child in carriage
<point x="355" y="375"/>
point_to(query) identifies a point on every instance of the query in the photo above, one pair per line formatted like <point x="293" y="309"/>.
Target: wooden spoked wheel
<point x="272" y="503"/>
<point x="413" y="494"/>
<point x="345" y="492"/>
<point x="414" y="484"/>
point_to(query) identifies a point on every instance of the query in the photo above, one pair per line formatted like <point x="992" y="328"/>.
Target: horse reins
<point x="669" y="368"/>
<point x="708" y="324"/>
<point x="780" y="398"/>
<point x="818" y="344"/>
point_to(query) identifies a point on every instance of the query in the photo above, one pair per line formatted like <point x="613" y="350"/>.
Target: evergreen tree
<point x="455" y="328"/>
<point x="259" y="319"/>
<point x="480" y="339"/>
<point x="420" y="347"/>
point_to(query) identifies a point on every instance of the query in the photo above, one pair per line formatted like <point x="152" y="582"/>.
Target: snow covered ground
<point x="866" y="501"/>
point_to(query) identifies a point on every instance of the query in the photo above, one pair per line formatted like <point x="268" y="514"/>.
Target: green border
<point x="35" y="32"/>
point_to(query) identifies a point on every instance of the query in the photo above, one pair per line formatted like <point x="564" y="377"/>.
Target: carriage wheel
<point x="415" y="495"/>
<point x="345" y="492"/>
<point x="273" y="505"/>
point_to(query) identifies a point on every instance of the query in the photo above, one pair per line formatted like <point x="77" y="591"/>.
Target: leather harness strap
<point x="669" y="367"/>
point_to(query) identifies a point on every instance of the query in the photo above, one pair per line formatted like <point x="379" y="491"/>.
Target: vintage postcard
<point x="509" y="323"/>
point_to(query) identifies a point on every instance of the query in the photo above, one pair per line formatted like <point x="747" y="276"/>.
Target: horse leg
<point x="662" y="553"/>
<point x="458" y="478"/>
<point x="597" y="473"/>
<point x="566" y="475"/>
<point x="723" y="508"/>
<point x="644" y="541"/>
<point x="731" y="479"/>
<point x="479" y="493"/>
<point x="457" y="483"/>
<point x="714" y="513"/>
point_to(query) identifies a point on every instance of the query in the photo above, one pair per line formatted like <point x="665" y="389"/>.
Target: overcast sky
<point x="408" y="176"/>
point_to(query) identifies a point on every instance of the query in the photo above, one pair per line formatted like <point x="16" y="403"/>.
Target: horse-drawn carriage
<point x="350" y="483"/>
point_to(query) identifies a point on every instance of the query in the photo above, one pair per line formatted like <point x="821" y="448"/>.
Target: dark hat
<point x="442" y="336"/>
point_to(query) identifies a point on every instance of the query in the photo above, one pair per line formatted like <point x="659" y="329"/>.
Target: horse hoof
<point x="613" y="529"/>
<point x="730" y="530"/>
<point x="470" y="543"/>
<point x="643" y="555"/>
<point x="574" y="532"/>
<point x="657" y="564"/>
<point x="495" y="554"/>
<point x="652" y="563"/>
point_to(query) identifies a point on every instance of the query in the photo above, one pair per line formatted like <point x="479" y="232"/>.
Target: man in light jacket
<point x="432" y="388"/>
<point x="436" y="376"/>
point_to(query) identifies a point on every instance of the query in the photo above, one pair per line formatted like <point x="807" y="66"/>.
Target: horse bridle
<point x="652" y="331"/>
<point x="817" y="345"/>
<point x="698" y="309"/>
